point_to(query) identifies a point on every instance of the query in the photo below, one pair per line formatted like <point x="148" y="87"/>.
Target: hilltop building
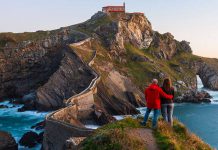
<point x="109" y="9"/>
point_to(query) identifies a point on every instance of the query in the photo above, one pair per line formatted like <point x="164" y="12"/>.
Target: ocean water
<point x="18" y="123"/>
<point x="201" y="119"/>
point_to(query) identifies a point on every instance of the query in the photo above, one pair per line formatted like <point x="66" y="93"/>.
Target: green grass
<point x="143" y="72"/>
<point x="89" y="26"/>
<point x="177" y="137"/>
<point x="114" y="136"/>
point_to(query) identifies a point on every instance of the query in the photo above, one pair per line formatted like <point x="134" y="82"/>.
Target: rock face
<point x="123" y="88"/>
<point x="71" y="78"/>
<point x="39" y="126"/>
<point x="7" y="142"/>
<point x="102" y="118"/>
<point x="26" y="67"/>
<point x="112" y="104"/>
<point x="208" y="72"/>
<point x="166" y="46"/>
<point x="23" y="68"/>
<point x="194" y="97"/>
<point x="127" y="28"/>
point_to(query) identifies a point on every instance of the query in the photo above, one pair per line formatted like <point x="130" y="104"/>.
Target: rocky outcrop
<point x="26" y="65"/>
<point x="112" y="104"/>
<point x="194" y="97"/>
<point x="39" y="126"/>
<point x="30" y="139"/>
<point x="102" y="118"/>
<point x="134" y="29"/>
<point x="123" y="88"/>
<point x="125" y="28"/>
<point x="207" y="69"/>
<point x="3" y="106"/>
<point x="7" y="142"/>
<point x="166" y="46"/>
<point x="71" y="78"/>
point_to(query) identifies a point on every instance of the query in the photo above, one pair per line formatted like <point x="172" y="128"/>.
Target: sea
<point x="18" y="123"/>
<point x="201" y="119"/>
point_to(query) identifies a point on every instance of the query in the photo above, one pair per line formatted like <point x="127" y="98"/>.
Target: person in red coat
<point x="152" y="96"/>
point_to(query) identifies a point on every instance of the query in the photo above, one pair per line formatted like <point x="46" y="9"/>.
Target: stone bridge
<point x="63" y="124"/>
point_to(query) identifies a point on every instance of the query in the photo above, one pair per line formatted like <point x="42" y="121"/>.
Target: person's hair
<point x="167" y="84"/>
<point x="155" y="81"/>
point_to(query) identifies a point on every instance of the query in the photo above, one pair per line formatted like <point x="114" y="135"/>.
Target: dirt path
<point x="146" y="136"/>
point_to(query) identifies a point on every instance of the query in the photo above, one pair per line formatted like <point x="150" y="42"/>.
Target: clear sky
<point x="193" y="20"/>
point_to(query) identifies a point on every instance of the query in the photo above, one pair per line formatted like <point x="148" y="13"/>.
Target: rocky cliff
<point x="70" y="78"/>
<point x="136" y="51"/>
<point x="208" y="72"/>
<point x="130" y="46"/>
<point x="48" y="67"/>
<point x="127" y="49"/>
<point x="44" y="67"/>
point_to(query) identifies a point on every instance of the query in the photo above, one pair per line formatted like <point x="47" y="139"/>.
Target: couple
<point x="159" y="98"/>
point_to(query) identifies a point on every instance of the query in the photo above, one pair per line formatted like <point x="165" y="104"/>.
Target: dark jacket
<point x="170" y="92"/>
<point x="153" y="94"/>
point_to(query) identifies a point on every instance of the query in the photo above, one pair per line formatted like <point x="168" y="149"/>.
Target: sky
<point x="195" y="21"/>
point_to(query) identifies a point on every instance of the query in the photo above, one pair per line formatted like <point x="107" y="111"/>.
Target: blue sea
<point x="201" y="119"/>
<point x="18" y="123"/>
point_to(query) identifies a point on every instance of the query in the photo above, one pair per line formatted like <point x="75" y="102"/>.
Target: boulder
<point x="28" y="105"/>
<point x="186" y="46"/>
<point x="16" y="101"/>
<point x="29" y="139"/>
<point x="139" y="58"/>
<point x="39" y="126"/>
<point x="7" y="142"/>
<point x="29" y="97"/>
<point x="3" y="106"/>
<point x="102" y="118"/>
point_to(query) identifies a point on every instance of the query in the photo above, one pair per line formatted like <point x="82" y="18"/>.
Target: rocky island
<point x="96" y="69"/>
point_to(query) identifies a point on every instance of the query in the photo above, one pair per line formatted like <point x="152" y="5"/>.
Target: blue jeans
<point x="155" y="116"/>
<point x="167" y="112"/>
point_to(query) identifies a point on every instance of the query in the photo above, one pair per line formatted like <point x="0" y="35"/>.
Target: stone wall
<point x="57" y="132"/>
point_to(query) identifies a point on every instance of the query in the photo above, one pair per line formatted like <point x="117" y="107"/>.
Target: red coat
<point x="152" y="96"/>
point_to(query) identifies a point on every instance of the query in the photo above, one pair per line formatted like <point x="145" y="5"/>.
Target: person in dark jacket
<point x="167" y="104"/>
<point x="152" y="96"/>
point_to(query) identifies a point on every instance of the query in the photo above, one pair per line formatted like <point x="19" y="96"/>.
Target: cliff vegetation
<point x="118" y="136"/>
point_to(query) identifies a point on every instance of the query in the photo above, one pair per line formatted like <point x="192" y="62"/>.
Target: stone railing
<point x="58" y="131"/>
